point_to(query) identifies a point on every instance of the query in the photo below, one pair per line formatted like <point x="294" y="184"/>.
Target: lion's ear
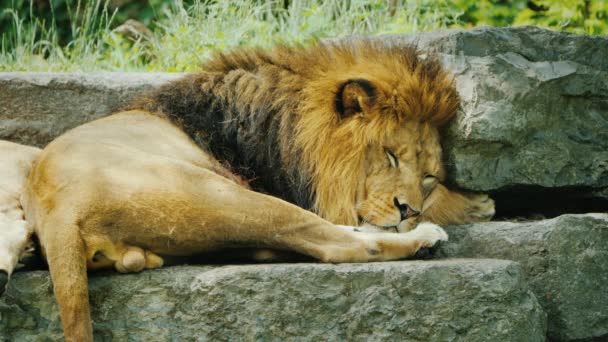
<point x="355" y="97"/>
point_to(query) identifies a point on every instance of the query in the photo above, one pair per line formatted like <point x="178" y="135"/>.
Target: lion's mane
<point x="274" y="116"/>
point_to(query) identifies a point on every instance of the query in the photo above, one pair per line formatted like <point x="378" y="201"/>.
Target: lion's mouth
<point x="373" y="228"/>
<point x="368" y="226"/>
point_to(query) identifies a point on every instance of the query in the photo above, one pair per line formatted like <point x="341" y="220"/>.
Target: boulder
<point x="534" y="115"/>
<point x="449" y="300"/>
<point x="565" y="261"/>
<point x="36" y="107"/>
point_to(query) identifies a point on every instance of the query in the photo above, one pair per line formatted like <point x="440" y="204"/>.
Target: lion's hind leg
<point x="135" y="259"/>
<point x="66" y="256"/>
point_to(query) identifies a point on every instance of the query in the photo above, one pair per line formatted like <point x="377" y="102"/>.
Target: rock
<point x="450" y="300"/>
<point x="534" y="109"/>
<point x="565" y="261"/>
<point x="37" y="107"/>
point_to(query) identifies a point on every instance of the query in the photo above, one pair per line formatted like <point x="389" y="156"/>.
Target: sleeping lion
<point x="290" y="150"/>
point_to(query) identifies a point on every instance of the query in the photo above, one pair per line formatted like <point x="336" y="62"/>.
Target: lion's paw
<point x="480" y="208"/>
<point x="133" y="260"/>
<point x="429" y="234"/>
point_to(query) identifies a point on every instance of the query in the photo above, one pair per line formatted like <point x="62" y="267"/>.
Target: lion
<point x="289" y="149"/>
<point x="15" y="163"/>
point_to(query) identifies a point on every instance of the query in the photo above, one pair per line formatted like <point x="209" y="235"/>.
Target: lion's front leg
<point x="379" y="245"/>
<point x="382" y="246"/>
<point x="263" y="221"/>
<point x="445" y="207"/>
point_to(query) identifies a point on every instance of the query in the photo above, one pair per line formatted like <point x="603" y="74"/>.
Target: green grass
<point x="184" y="35"/>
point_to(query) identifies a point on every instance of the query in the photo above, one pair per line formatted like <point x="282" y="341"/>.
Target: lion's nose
<point x="405" y="210"/>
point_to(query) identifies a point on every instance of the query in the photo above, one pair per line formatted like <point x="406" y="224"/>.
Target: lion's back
<point x="108" y="160"/>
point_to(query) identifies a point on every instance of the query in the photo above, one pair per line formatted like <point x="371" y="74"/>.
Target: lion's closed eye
<point x="393" y="160"/>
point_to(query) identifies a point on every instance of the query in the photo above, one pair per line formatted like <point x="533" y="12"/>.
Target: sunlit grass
<point x="33" y="45"/>
<point x="186" y="35"/>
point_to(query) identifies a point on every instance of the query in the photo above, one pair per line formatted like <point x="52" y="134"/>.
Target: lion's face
<point x="367" y="131"/>
<point x="399" y="174"/>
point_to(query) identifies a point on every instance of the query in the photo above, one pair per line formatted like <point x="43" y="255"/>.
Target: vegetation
<point x="70" y="35"/>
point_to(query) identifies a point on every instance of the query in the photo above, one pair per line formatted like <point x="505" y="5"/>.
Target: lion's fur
<point x="322" y="127"/>
<point x="272" y="115"/>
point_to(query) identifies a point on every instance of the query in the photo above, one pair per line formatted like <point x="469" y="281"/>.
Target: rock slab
<point x="448" y="300"/>
<point x="534" y="107"/>
<point x="565" y="261"/>
<point x="37" y="107"/>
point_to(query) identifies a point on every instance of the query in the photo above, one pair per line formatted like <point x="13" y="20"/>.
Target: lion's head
<point x="369" y="131"/>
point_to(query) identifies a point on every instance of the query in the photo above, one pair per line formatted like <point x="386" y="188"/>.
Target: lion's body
<point x="134" y="189"/>
<point x="126" y="190"/>
<point x="265" y="114"/>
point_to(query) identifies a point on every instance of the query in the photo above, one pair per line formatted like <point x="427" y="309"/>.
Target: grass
<point x="184" y="35"/>
<point x="34" y="46"/>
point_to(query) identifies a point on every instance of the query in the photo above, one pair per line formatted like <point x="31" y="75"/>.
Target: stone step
<point x="447" y="300"/>
<point x="36" y="107"/>
<point x="565" y="261"/>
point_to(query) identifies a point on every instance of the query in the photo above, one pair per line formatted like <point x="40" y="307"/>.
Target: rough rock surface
<point x="449" y="300"/>
<point x="564" y="259"/>
<point x="37" y="107"/>
<point x="534" y="107"/>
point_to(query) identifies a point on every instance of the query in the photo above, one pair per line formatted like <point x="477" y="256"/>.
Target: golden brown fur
<point x="348" y="130"/>
<point x="418" y="92"/>
<point x="273" y="116"/>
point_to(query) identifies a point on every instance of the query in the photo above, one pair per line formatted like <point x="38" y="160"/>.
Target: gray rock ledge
<point x="36" y="107"/>
<point x="565" y="261"/>
<point x="448" y="300"/>
<point x="534" y="106"/>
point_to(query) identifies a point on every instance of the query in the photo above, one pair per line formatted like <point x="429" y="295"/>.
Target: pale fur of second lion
<point x="15" y="163"/>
